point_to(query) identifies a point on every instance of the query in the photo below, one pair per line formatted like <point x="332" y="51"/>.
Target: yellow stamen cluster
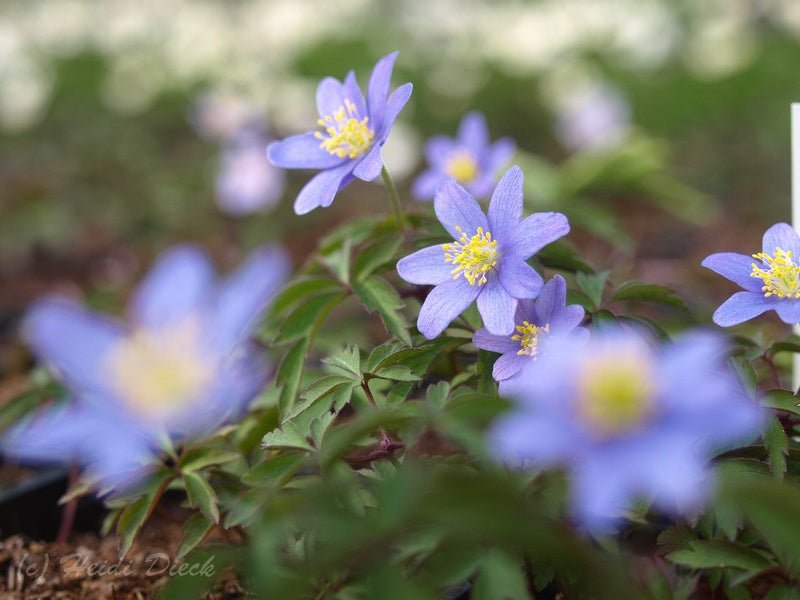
<point x="345" y="134"/>
<point x="462" y="166"/>
<point x="782" y="278"/>
<point x="472" y="257"/>
<point x="615" y="393"/>
<point x="157" y="372"/>
<point x="528" y="335"/>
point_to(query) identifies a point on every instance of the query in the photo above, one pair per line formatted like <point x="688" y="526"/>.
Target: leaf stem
<point x="402" y="226"/>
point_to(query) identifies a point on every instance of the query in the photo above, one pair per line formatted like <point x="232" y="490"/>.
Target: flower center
<point x="782" y="277"/>
<point x="345" y="134"/>
<point x="158" y="372"/>
<point x="615" y="393"/>
<point x="472" y="257"/>
<point x="529" y="336"/>
<point x="462" y="166"/>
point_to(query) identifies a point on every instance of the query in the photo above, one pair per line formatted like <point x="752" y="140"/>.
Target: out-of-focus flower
<point x="471" y="159"/>
<point x="627" y="421"/>
<point x="247" y="182"/>
<point x="537" y="323"/>
<point x="181" y="367"/>
<point x="486" y="262"/>
<point x="771" y="278"/>
<point x="593" y="117"/>
<point x="222" y="117"/>
<point x="353" y="131"/>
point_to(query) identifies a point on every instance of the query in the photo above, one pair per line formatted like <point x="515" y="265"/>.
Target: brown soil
<point x="89" y="568"/>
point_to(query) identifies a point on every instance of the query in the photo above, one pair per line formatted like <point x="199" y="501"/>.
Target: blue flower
<point x="246" y="183"/>
<point x="771" y="278"/>
<point x="627" y="421"/>
<point x="182" y="366"/>
<point x="537" y="323"/>
<point x="486" y="262"/>
<point x="353" y="131"/>
<point x="471" y="159"/>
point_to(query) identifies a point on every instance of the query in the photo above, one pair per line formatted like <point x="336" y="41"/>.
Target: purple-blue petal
<point x="425" y="267"/>
<point x="353" y="93"/>
<point x="369" y="168"/>
<point x="788" y="311"/>
<point x="378" y="88"/>
<point x="497" y="308"/>
<point x="505" y="208"/>
<point x="781" y="235"/>
<point x="455" y="207"/>
<point x="243" y="296"/>
<point x="535" y="232"/>
<point x="175" y="288"/>
<point x="438" y="150"/>
<point x="518" y="278"/>
<point x="735" y="267"/>
<point x="321" y="189"/>
<point x="301" y="152"/>
<point x="330" y="96"/>
<point x="509" y="365"/>
<point x="502" y="344"/>
<point x="394" y="105"/>
<point x="72" y="339"/>
<point x="552" y="298"/>
<point x="566" y="319"/>
<point x="741" y="307"/>
<point x="500" y="155"/>
<point x="425" y="186"/>
<point x="445" y="302"/>
<point x="473" y="132"/>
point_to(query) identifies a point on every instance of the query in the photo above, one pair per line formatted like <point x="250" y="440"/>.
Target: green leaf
<point x="745" y="372"/>
<point x="348" y="361"/>
<point x="302" y="320"/>
<point x="486" y="383"/>
<point x="338" y="261"/>
<point x="138" y="510"/>
<point x="332" y="385"/>
<point x="777" y="444"/>
<point x="378" y="295"/>
<point x="559" y="255"/>
<point x="288" y="436"/>
<point x="375" y="256"/>
<point x="131" y="521"/>
<point x="199" y="458"/>
<point x="275" y="470"/>
<point x="782" y="400"/>
<point x="396" y="373"/>
<point x="500" y="578"/>
<point x="593" y="285"/>
<point x="636" y="291"/>
<point x="706" y="554"/>
<point x="299" y="290"/>
<point x="194" y="530"/>
<point x="419" y="359"/>
<point x="201" y="495"/>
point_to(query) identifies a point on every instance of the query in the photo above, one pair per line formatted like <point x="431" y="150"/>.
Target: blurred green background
<point x="101" y="167"/>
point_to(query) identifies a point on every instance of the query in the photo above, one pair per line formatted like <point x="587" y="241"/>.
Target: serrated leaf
<point x="486" y="383"/>
<point x="275" y="470"/>
<point x="302" y="320"/>
<point x="379" y="353"/>
<point x="559" y="255"/>
<point x="745" y="372"/>
<point x="348" y="361"/>
<point x="194" y="530"/>
<point x="777" y="443"/>
<point x="376" y="294"/>
<point x="201" y="495"/>
<point x="375" y="256"/>
<point x="437" y="393"/>
<point x="419" y="359"/>
<point x="199" y="458"/>
<point x="705" y="554"/>
<point x="300" y="290"/>
<point x="338" y="261"/>
<point x="332" y="385"/>
<point x="782" y="400"/>
<point x="636" y="291"/>
<point x="500" y="578"/>
<point x="288" y="436"/>
<point x="593" y="285"/>
<point x="133" y="516"/>
<point x="396" y="373"/>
